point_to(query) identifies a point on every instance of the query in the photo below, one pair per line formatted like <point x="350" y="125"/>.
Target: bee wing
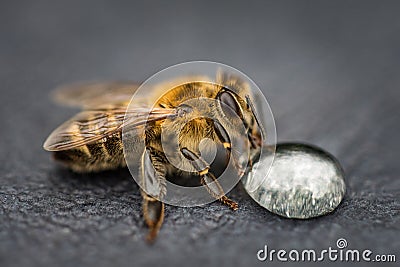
<point x="90" y="126"/>
<point x="95" y="94"/>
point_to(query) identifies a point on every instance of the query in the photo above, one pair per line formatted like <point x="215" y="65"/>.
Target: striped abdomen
<point x="102" y="155"/>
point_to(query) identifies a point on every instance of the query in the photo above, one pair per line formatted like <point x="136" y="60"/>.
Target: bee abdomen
<point x="106" y="154"/>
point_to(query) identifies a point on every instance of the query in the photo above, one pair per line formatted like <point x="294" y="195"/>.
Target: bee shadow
<point x="119" y="180"/>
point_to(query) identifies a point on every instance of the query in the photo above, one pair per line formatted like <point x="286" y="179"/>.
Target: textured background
<point x="330" y="70"/>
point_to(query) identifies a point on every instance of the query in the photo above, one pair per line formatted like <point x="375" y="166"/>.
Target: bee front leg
<point x="226" y="142"/>
<point x="153" y="181"/>
<point x="208" y="179"/>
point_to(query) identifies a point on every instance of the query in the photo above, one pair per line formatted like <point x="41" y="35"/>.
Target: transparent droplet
<point x="303" y="182"/>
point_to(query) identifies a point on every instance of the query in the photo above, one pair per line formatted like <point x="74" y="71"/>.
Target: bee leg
<point x="215" y="189"/>
<point x="153" y="181"/>
<point x="226" y="142"/>
<point x="208" y="179"/>
<point x="153" y="213"/>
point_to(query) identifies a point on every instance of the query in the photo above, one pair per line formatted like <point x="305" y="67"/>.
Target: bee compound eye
<point x="230" y="105"/>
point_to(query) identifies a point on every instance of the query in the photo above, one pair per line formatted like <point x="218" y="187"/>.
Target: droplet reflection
<point x="303" y="182"/>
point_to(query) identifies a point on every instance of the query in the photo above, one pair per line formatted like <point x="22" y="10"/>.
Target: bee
<point x="91" y="141"/>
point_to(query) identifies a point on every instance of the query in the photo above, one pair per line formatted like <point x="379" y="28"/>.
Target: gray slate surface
<point x="329" y="69"/>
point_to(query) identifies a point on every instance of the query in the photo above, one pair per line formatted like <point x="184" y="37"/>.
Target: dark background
<point x="330" y="70"/>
